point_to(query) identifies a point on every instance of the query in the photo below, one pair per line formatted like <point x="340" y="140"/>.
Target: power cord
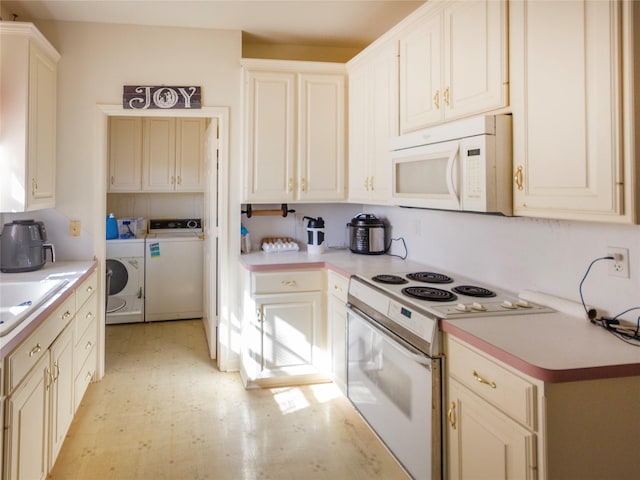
<point x="399" y="239"/>
<point x="626" y="333"/>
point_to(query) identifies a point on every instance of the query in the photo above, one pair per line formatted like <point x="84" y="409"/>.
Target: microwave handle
<point x="451" y="173"/>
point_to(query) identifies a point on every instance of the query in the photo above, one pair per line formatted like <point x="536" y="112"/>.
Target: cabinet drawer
<point x="86" y="289"/>
<point x="84" y="346"/>
<point x="85" y="318"/>
<point x="511" y="393"/>
<point x="84" y="377"/>
<point x="286" y="281"/>
<point x="20" y="361"/>
<point x="337" y="285"/>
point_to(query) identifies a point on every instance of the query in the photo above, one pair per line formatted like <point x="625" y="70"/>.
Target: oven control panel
<point x="412" y="320"/>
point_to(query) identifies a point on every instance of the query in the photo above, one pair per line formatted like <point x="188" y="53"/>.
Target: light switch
<point x="74" y="228"/>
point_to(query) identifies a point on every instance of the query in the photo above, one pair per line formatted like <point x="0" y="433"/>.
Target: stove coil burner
<point x="473" y="291"/>
<point x="389" y="279"/>
<point x="429" y="277"/>
<point x="429" y="293"/>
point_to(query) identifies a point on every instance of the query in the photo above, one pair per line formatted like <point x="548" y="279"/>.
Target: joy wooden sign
<point x="140" y="97"/>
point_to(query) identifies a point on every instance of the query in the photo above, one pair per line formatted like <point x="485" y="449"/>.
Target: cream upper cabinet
<point x="28" y="91"/>
<point x="373" y="119"/>
<point x="156" y="154"/>
<point x="453" y="62"/>
<point x="572" y="93"/>
<point x="294" y="131"/>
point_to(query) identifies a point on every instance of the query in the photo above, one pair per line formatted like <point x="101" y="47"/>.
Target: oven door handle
<point x="396" y="342"/>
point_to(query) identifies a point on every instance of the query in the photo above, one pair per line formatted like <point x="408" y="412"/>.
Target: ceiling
<point x="328" y="23"/>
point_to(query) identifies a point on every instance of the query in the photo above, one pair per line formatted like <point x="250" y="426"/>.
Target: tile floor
<point x="163" y="411"/>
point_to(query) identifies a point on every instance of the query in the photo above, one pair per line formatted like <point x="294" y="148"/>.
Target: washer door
<point x="119" y="276"/>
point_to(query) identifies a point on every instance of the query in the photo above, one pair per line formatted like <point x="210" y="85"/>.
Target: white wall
<point x="521" y="253"/>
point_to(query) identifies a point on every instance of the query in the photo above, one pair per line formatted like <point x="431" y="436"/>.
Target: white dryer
<point x="125" y="301"/>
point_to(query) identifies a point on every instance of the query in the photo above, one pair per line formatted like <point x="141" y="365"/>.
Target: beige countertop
<point x="74" y="272"/>
<point x="553" y="347"/>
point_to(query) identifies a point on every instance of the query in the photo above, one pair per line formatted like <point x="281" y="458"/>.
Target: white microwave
<point x="464" y="165"/>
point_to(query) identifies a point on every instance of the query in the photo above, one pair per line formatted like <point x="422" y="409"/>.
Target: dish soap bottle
<point x="112" y="227"/>
<point x="245" y="240"/>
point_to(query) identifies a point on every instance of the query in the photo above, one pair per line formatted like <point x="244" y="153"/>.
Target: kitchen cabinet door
<point x="420" y="73"/>
<point x="373" y="120"/>
<point x="26" y="427"/>
<point x="62" y="386"/>
<point x="125" y="154"/>
<point x="190" y="158"/>
<point x="570" y="77"/>
<point x="321" y="145"/>
<point x="28" y="92"/>
<point x="269" y="136"/>
<point x="158" y="154"/>
<point x="485" y="443"/>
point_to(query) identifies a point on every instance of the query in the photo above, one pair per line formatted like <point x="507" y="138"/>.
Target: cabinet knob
<point x="66" y="315"/>
<point x="35" y="350"/>
<point x="518" y="178"/>
<point x="436" y="99"/>
<point x="89" y="289"/>
<point x="451" y="415"/>
<point x="88" y="346"/>
<point x="88" y="315"/>
<point x="483" y="380"/>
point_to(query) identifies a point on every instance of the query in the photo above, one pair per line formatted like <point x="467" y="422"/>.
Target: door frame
<point x="221" y="150"/>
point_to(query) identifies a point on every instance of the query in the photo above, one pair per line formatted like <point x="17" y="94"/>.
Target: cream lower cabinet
<point x="285" y="331"/>
<point x="484" y="442"/>
<point x="42" y="385"/>
<point x="373" y="120"/>
<point x="453" y="62"/>
<point x="295" y="147"/>
<point x="337" y="327"/>
<point x="503" y="424"/>
<point x="28" y="93"/>
<point x="572" y="98"/>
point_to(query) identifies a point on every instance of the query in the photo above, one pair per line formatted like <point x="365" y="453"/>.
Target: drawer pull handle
<point x="451" y="415"/>
<point x="518" y="178"/>
<point x="289" y="283"/>
<point x="88" y="345"/>
<point x="47" y="373"/>
<point x="66" y="315"/>
<point x="36" y="349"/>
<point x="56" y="376"/>
<point x="89" y="289"/>
<point x="483" y="380"/>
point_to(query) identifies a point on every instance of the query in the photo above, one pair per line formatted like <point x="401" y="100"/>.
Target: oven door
<point x="427" y="176"/>
<point x="397" y="391"/>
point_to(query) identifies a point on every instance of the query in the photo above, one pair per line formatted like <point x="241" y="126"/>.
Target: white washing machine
<point x="174" y="257"/>
<point x="125" y="302"/>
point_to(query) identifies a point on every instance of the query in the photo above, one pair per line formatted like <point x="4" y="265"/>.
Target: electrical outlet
<point x="74" y="228"/>
<point x="619" y="266"/>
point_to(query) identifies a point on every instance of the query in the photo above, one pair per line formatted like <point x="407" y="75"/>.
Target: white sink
<point x="19" y="299"/>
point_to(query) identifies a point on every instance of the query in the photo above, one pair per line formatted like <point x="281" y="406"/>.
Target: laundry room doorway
<point x="213" y="195"/>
